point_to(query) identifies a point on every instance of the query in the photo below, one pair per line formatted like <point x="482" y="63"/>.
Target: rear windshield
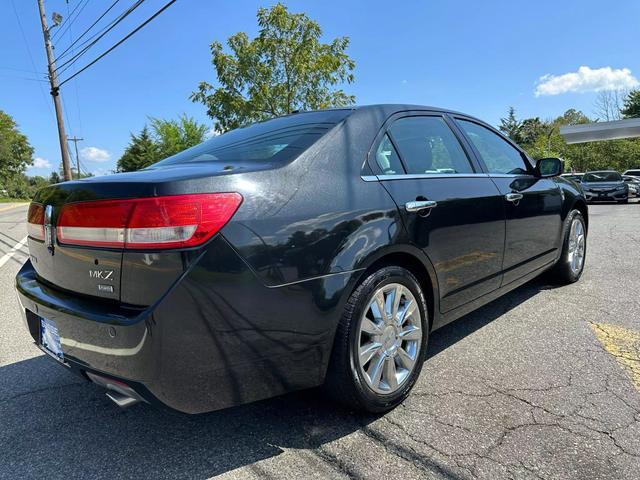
<point x="274" y="141"/>
<point x="602" y="177"/>
<point x="635" y="173"/>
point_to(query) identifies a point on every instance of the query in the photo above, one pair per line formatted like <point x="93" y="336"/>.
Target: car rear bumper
<point x="217" y="338"/>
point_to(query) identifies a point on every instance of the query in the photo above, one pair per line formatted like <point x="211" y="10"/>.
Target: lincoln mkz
<point x="315" y="249"/>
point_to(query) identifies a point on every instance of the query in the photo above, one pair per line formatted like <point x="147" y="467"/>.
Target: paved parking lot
<point x="543" y="383"/>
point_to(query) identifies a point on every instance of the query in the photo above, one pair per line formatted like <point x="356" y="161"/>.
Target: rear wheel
<point x="380" y="343"/>
<point x="571" y="263"/>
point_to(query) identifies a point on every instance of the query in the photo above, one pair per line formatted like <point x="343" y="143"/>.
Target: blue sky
<point x="475" y="56"/>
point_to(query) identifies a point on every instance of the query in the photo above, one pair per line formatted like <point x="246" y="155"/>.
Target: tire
<point x="626" y="200"/>
<point x="347" y="380"/>
<point x="563" y="272"/>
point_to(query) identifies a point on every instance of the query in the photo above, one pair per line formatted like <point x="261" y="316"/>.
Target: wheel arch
<point x="580" y="205"/>
<point x="414" y="260"/>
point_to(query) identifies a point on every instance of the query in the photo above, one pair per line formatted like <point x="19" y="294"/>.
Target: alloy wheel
<point x="576" y="248"/>
<point x="389" y="338"/>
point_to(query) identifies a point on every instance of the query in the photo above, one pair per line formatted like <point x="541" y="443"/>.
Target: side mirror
<point x="549" y="167"/>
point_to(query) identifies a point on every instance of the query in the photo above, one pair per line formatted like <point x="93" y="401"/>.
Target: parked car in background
<point x="605" y="185"/>
<point x="635" y="172"/>
<point x="576" y="177"/>
<point x="315" y="248"/>
<point x="633" y="183"/>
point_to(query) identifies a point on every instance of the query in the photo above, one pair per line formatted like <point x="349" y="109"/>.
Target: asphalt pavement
<point x="542" y="383"/>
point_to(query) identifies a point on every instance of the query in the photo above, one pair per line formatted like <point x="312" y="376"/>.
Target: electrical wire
<point x="69" y="19"/>
<point x="33" y="64"/>
<point x="70" y="47"/>
<point x="65" y="65"/>
<point x="125" y="38"/>
<point x="75" y="83"/>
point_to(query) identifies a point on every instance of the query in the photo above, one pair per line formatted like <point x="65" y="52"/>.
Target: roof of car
<point x="389" y="107"/>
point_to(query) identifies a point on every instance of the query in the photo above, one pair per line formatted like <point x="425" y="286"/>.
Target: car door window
<point x="498" y="155"/>
<point x="427" y="145"/>
<point x="387" y="157"/>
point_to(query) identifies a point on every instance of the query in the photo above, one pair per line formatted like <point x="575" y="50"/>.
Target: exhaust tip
<point x="118" y="392"/>
<point x="121" y="400"/>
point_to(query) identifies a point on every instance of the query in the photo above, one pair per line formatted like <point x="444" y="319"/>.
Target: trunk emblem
<point x="49" y="231"/>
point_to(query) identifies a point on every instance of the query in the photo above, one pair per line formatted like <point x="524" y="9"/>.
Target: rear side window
<point x="498" y="155"/>
<point x="427" y="145"/>
<point x="274" y="141"/>
<point x="635" y="173"/>
<point x="387" y="158"/>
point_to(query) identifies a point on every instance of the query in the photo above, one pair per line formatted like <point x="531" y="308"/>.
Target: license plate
<point x="50" y="339"/>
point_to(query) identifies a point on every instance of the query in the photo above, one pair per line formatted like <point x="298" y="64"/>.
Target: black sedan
<point x="605" y="185"/>
<point x="319" y="248"/>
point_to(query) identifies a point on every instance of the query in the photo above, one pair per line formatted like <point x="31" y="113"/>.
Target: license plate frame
<point x="50" y="341"/>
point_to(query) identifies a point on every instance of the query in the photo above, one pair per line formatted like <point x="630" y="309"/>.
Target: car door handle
<point x="420" y="205"/>
<point x="513" y="197"/>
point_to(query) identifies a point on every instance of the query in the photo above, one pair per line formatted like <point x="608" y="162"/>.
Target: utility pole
<point x="75" y="141"/>
<point x="53" y="78"/>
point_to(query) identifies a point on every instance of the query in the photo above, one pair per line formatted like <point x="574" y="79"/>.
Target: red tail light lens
<point x="176" y="221"/>
<point x="35" y="221"/>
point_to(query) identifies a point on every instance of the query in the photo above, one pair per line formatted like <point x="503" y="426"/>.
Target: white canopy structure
<point x="591" y="132"/>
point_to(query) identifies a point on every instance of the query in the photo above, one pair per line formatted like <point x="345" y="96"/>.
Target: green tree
<point x="532" y="128"/>
<point x="284" y="69"/>
<point x="511" y="126"/>
<point x="165" y="138"/>
<point x="55" y="178"/>
<point x="16" y="154"/>
<point x="631" y="107"/>
<point x="141" y="152"/>
<point x="173" y="136"/>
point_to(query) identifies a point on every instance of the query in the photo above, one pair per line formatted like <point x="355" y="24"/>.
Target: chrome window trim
<point x="418" y="176"/>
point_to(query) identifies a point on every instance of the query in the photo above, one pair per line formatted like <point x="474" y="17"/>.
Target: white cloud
<point x="586" y="80"/>
<point x="40" y="162"/>
<point x="94" y="154"/>
<point x="211" y="133"/>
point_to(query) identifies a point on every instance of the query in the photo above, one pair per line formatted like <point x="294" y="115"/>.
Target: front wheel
<point x="380" y="343"/>
<point x="574" y="249"/>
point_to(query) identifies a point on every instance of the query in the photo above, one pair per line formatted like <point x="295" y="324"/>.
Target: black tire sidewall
<point x="371" y="400"/>
<point x="567" y="272"/>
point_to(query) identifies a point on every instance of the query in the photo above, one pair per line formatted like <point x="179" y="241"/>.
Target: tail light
<point x="35" y="221"/>
<point x="176" y="221"/>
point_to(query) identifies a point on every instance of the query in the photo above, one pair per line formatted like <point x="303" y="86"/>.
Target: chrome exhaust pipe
<point x="121" y="400"/>
<point x="118" y="392"/>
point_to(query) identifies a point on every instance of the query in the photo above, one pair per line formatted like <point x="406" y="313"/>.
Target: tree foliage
<point x="511" y="126"/>
<point x="285" y="68"/>
<point x="542" y="139"/>
<point x="16" y="154"/>
<point x="165" y="138"/>
<point x="631" y="107"/>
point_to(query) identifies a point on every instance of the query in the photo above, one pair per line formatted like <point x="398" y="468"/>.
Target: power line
<point x="18" y="77"/>
<point x="69" y="20"/>
<point x="65" y="65"/>
<point x="70" y="47"/>
<point x="75" y="84"/>
<point x="21" y="70"/>
<point x="33" y="64"/>
<point x="105" y="28"/>
<point x="142" y="25"/>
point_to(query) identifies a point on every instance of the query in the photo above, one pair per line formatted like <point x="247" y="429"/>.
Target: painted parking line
<point x="623" y="344"/>
<point x="11" y="207"/>
<point x="15" y="249"/>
